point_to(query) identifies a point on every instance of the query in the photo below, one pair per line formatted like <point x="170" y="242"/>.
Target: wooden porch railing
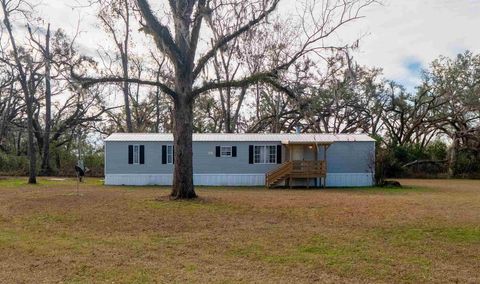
<point x="278" y="174"/>
<point x="296" y="169"/>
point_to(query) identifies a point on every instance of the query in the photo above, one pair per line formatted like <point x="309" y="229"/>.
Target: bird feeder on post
<point x="80" y="168"/>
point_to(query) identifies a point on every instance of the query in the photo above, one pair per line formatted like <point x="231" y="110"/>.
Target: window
<point x="225" y="151"/>
<point x="259" y="156"/>
<point x="265" y="155"/>
<point x="169" y="154"/>
<point x="136" y="154"/>
<point x="272" y="155"/>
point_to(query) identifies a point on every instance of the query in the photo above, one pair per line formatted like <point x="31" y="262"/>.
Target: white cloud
<point x="397" y="32"/>
<point x="422" y="30"/>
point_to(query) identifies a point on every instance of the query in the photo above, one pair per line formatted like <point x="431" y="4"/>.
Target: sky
<point x="404" y="36"/>
<point x="400" y="36"/>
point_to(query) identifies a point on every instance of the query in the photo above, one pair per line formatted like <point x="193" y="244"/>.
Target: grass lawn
<point x="427" y="232"/>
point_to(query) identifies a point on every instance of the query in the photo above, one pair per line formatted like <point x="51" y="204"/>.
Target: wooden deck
<point x="296" y="169"/>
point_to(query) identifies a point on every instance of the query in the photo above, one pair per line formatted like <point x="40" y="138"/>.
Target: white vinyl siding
<point x="265" y="155"/>
<point x="333" y="180"/>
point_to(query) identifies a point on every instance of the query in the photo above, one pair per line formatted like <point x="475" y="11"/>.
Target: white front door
<point x="297" y="153"/>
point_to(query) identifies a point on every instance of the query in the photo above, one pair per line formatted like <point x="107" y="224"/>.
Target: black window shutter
<point x="173" y="154"/>
<point x="279" y="154"/>
<point x="234" y="151"/>
<point x="250" y="154"/>
<point x="142" y="154"/>
<point x="164" y="154"/>
<point x="130" y="154"/>
<point x="217" y="151"/>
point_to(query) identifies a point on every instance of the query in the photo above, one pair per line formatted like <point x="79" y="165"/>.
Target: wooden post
<point x="316" y="160"/>
<point x="325" y="147"/>
<point x="290" y="160"/>
<point x="325" y="152"/>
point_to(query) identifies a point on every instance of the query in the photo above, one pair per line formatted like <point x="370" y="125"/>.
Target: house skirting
<point x="333" y="179"/>
<point x="350" y="179"/>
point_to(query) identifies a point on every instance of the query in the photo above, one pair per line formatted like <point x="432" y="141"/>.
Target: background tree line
<point x="46" y="108"/>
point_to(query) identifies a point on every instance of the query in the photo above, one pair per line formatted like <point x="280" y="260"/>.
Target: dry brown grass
<point x="428" y="232"/>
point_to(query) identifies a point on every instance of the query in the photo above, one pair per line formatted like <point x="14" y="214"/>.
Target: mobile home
<point x="343" y="160"/>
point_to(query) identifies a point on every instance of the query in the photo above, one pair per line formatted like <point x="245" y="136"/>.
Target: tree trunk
<point x="26" y="92"/>
<point x="19" y="144"/>
<point x="46" y="168"/>
<point x="453" y="157"/>
<point x="183" y="131"/>
<point x="32" y="175"/>
<point x="228" y="117"/>
<point x="157" y="104"/>
<point x="157" y="111"/>
<point x="236" y="116"/>
<point x="126" y="94"/>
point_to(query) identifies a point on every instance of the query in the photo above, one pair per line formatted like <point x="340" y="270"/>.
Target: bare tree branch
<point x="226" y="39"/>
<point x="161" y="34"/>
<point x="87" y="82"/>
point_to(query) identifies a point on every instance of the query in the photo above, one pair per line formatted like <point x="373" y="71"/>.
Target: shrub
<point x="468" y="163"/>
<point x="392" y="159"/>
<point x="13" y="165"/>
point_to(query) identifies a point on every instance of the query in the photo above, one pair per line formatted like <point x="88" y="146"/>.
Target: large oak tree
<point x="180" y="29"/>
<point x="9" y="9"/>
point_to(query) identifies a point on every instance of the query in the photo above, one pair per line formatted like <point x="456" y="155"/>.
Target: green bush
<point x="63" y="161"/>
<point x="393" y="158"/>
<point x="438" y="150"/>
<point x="95" y="162"/>
<point x="468" y="163"/>
<point x="13" y="165"/>
<point x="92" y="159"/>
